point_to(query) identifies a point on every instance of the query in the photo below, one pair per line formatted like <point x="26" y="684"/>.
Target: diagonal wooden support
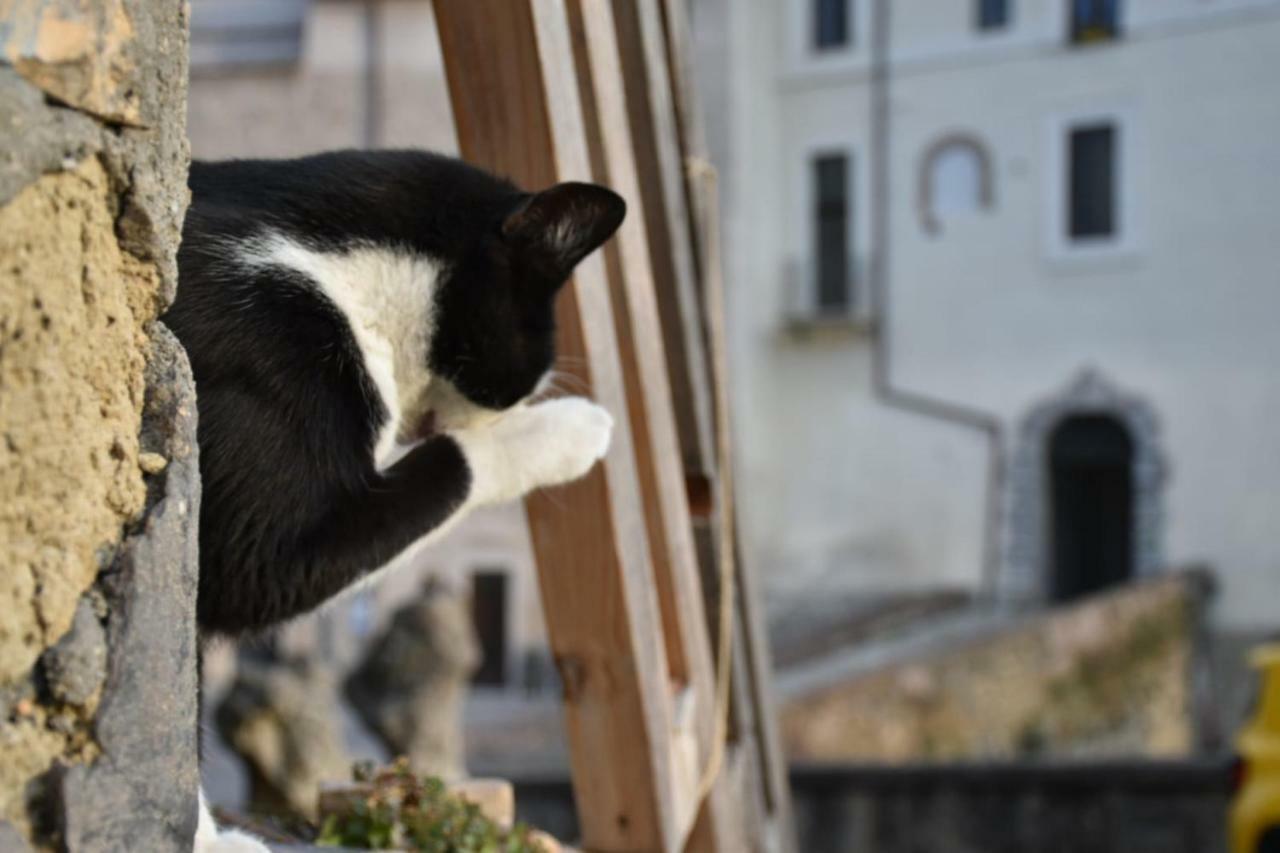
<point x="516" y="101"/>
<point x="761" y="788"/>
<point x="653" y="419"/>
<point x="757" y="729"/>
<point x="655" y="136"/>
<point x="551" y="90"/>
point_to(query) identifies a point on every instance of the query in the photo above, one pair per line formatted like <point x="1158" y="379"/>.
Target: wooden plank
<point x="643" y="367"/>
<point x="752" y="638"/>
<point x="688" y="115"/>
<point x="751" y="634"/>
<point x="759" y="666"/>
<point x="653" y="419"/>
<point x="513" y="87"/>
<point x="660" y="167"/>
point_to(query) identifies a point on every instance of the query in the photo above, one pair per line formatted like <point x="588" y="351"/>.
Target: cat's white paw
<point x="230" y="841"/>
<point x="576" y="435"/>
<point x="209" y="840"/>
<point x="545" y="444"/>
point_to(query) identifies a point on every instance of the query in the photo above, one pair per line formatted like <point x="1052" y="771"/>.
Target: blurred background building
<point x="1002" y="297"/>
<point x="1002" y="293"/>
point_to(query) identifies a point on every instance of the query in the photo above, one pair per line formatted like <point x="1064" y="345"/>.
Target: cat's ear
<point x="564" y="224"/>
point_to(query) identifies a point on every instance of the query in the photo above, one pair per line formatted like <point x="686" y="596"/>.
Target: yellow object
<point x="1255" y="810"/>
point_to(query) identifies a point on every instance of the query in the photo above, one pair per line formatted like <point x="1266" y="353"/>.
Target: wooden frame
<point x="551" y="90"/>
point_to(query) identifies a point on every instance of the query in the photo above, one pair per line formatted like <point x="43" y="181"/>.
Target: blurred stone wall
<point x="99" y="486"/>
<point x="1137" y="806"/>
<point x="1127" y="806"/>
<point x="1110" y="676"/>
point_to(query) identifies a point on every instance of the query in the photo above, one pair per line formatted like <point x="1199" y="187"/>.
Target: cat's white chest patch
<point x="387" y="297"/>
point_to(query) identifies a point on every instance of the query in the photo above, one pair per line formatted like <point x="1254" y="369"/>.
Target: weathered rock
<point x="75" y="668"/>
<point x="139" y="795"/>
<point x="97" y="743"/>
<point x="411" y="687"/>
<point x="1107" y="676"/>
<point x="11" y="841"/>
<point x="50" y="138"/>
<point x="73" y="309"/>
<point x="81" y="52"/>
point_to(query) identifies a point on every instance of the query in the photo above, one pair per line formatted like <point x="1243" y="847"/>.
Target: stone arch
<point x="962" y="142"/>
<point x="1025" y="574"/>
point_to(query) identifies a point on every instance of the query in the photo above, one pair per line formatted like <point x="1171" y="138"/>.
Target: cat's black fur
<point x="294" y="509"/>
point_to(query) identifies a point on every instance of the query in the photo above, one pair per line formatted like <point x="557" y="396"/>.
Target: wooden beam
<point x="643" y="365"/>
<point x="752" y="663"/>
<point x="653" y="418"/>
<point x="756" y="716"/>
<point x="655" y="136"/>
<point x="690" y="127"/>
<point x="515" y="97"/>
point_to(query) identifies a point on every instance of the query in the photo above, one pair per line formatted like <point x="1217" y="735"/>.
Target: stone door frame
<point x="1024" y="578"/>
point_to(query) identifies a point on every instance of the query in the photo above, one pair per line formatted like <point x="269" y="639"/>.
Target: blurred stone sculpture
<point x="279" y="715"/>
<point x="411" y="686"/>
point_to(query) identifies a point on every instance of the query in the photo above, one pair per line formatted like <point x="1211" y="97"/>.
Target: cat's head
<point x="494" y="336"/>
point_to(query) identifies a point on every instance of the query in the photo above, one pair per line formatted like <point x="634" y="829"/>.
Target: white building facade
<point x="1004" y="293"/>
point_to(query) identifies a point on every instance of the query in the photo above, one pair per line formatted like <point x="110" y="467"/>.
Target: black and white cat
<point x="367" y="330"/>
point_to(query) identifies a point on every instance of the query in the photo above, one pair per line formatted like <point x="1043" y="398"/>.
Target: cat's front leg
<point x="545" y="444"/>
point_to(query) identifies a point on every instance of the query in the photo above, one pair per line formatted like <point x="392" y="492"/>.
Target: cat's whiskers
<point x="571" y="361"/>
<point x="565" y="382"/>
<point x="550" y="495"/>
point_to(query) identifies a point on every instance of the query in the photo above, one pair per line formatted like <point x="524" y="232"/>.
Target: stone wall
<point x="99" y="485"/>
<point x="1099" y="807"/>
<point x="1110" y="676"/>
<point x="1113" y="807"/>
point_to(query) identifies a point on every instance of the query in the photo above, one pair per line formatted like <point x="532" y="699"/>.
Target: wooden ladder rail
<point x="755" y="706"/>
<point x="549" y="90"/>
<point x="656" y="45"/>
<point x="614" y="552"/>
<point x="608" y="104"/>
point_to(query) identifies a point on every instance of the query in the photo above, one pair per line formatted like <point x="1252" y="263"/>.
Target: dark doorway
<point x="1091" y="505"/>
<point x="489" y="612"/>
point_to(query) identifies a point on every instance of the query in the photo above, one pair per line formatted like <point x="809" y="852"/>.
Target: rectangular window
<point x="1094" y="20"/>
<point x="830" y="24"/>
<point x="1091" y="182"/>
<point x="232" y="34"/>
<point x="489" y="614"/>
<point x="992" y="14"/>
<point x="832" y="221"/>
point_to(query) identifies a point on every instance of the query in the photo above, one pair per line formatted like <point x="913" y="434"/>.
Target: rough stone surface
<point x="1108" y="677"/>
<point x="11" y="841"/>
<point x="72" y="311"/>
<point x="139" y="794"/>
<point x="81" y="52"/>
<point x="92" y="194"/>
<point x="1115" y="807"/>
<point x="49" y="138"/>
<point x="75" y="668"/>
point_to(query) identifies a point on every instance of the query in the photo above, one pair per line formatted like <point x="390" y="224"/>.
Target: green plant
<point x="402" y="811"/>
